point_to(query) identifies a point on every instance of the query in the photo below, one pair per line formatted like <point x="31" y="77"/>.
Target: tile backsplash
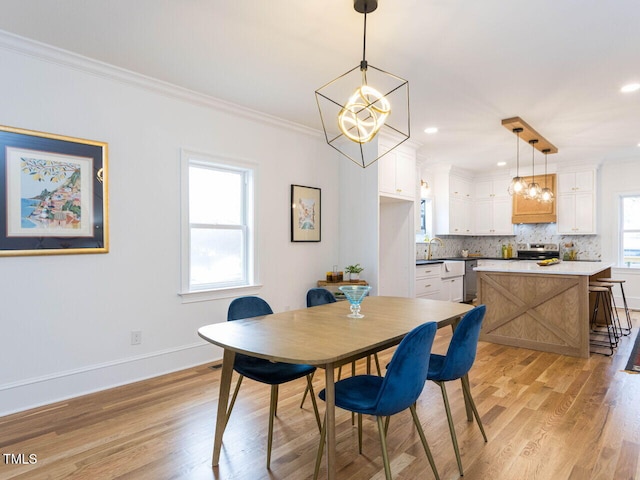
<point x="587" y="246"/>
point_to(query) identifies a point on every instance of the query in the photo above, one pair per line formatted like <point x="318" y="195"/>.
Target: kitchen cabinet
<point x="428" y="281"/>
<point x="486" y="189"/>
<point x="493" y="217"/>
<point x="576" y="214"/>
<point x="397" y="174"/>
<point x="576" y="182"/>
<point x="576" y="203"/>
<point x="452" y="289"/>
<point x="453" y="204"/>
<point x="533" y="211"/>
<point x="492" y="207"/>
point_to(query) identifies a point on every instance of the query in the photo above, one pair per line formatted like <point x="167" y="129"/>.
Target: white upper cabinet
<point x="574" y="182"/>
<point x="577" y="202"/>
<point x="486" y="189"/>
<point x="453" y="194"/>
<point x="397" y="174"/>
<point x="492" y="207"/>
<point x="460" y="187"/>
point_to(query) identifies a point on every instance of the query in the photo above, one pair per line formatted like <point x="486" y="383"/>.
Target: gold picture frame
<point x="55" y="194"/>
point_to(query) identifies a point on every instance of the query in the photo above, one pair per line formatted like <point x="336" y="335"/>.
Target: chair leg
<point x="626" y="311"/>
<point x="272" y="414"/>
<point x="383" y="444"/>
<point x="360" y="433"/>
<point x="423" y="439"/>
<point x="375" y="357"/>
<point x="306" y="390"/>
<point x="466" y="391"/>
<point x="353" y="374"/>
<point x="233" y="399"/>
<point x="451" y="426"/>
<point x="323" y="434"/>
<point x="313" y="399"/>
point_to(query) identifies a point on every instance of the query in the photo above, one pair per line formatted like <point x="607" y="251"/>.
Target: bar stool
<point x="609" y="339"/>
<point x="624" y="301"/>
<point x="617" y="327"/>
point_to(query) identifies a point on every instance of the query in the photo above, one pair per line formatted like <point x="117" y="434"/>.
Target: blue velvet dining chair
<point x="385" y="396"/>
<point x="456" y="364"/>
<point x="265" y="371"/>
<point x="319" y="296"/>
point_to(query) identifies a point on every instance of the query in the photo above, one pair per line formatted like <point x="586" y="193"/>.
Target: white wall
<point x="66" y="320"/>
<point x="616" y="179"/>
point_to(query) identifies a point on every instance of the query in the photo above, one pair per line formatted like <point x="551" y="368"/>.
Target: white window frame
<point x="621" y="229"/>
<point x="250" y="171"/>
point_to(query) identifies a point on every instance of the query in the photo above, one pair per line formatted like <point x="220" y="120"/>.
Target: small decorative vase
<point x="354" y="277"/>
<point x="355" y="294"/>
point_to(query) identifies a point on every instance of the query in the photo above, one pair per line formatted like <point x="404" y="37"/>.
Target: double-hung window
<point x="217" y="251"/>
<point x="630" y="231"/>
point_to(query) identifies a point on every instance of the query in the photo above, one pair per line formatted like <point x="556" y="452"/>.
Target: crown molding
<point x="65" y="58"/>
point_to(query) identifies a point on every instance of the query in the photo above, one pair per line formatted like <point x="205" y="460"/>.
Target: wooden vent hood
<point x="532" y="211"/>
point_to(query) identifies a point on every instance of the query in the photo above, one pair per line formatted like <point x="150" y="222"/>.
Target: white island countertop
<point x="531" y="266"/>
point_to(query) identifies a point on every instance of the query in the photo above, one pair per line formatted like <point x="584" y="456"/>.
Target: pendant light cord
<point x="533" y="160"/>
<point x="363" y="63"/>
<point x="364" y="44"/>
<point x="518" y="154"/>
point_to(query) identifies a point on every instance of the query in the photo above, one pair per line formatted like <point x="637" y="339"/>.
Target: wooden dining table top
<point x="325" y="335"/>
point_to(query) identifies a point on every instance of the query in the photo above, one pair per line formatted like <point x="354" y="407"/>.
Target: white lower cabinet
<point x="428" y="281"/>
<point x="452" y="289"/>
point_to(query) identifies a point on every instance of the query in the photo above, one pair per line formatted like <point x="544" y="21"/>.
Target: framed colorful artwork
<point x="305" y="214"/>
<point x="54" y="197"/>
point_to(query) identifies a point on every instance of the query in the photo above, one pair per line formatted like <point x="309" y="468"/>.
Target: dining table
<point x="325" y="337"/>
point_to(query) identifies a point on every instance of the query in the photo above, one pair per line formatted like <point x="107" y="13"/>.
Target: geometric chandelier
<point x="363" y="102"/>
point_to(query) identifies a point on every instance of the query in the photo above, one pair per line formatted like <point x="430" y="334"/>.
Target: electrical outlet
<point x="136" y="337"/>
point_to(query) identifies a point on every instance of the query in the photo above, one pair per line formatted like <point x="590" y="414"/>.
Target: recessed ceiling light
<point x="632" y="87"/>
<point x="501" y="164"/>
<point x="431" y="130"/>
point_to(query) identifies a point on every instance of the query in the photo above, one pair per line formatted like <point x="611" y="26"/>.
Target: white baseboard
<point x="35" y="392"/>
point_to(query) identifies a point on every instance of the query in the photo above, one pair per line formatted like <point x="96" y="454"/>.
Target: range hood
<point x="532" y="211"/>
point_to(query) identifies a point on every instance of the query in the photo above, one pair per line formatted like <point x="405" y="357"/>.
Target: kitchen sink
<point x="453" y="268"/>
<point x="428" y="262"/>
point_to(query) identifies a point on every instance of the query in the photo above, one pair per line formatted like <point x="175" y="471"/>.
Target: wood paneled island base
<point x="542" y="308"/>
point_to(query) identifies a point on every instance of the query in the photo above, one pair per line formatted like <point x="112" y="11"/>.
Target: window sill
<point x="207" y="295"/>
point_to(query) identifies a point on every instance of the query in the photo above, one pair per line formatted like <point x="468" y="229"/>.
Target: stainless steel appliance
<point x="470" y="283"/>
<point x="538" y="251"/>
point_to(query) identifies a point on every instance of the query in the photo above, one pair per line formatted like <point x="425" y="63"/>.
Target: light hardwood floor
<point x="547" y="417"/>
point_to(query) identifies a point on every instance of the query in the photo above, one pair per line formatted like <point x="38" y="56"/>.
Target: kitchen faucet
<point x="439" y="240"/>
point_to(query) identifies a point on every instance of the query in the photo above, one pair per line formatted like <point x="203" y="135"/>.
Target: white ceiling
<point x="558" y="64"/>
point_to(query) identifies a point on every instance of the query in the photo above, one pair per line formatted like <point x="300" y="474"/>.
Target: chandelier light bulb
<point x="518" y="186"/>
<point x="364" y="114"/>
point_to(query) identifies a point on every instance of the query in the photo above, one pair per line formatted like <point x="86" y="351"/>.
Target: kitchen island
<point x="544" y="308"/>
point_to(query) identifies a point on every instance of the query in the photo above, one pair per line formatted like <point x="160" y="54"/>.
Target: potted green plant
<point x="354" y="272"/>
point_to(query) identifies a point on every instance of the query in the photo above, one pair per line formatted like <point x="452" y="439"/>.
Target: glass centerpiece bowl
<point x="355" y="294"/>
